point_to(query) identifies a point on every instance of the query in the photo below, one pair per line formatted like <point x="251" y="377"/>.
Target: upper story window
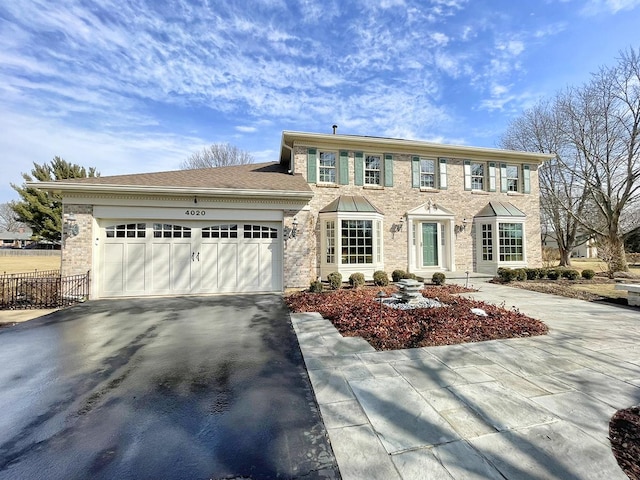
<point x="372" y="166"/>
<point x="427" y="173"/>
<point x="327" y="162"/>
<point x="477" y="176"/>
<point x="513" y="180"/>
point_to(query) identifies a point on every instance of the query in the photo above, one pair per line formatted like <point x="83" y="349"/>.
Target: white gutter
<point x="292" y="138"/>
<point x="92" y="189"/>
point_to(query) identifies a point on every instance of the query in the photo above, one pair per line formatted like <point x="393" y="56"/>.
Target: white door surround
<point x="431" y="239"/>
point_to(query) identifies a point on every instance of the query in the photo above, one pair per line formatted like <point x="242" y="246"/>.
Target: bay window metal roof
<point x="351" y="204"/>
<point x="500" y="209"/>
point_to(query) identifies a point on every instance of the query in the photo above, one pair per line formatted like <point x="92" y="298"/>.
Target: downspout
<point x="292" y="164"/>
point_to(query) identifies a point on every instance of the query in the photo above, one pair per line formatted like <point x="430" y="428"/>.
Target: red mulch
<point x="357" y="313"/>
<point x="624" y="433"/>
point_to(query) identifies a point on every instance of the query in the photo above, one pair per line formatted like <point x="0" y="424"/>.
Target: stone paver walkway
<point x="522" y="408"/>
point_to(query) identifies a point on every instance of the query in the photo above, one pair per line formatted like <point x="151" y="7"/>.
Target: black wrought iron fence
<point x="42" y="289"/>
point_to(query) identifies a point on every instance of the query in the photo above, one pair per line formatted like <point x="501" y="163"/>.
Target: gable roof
<point x="256" y="179"/>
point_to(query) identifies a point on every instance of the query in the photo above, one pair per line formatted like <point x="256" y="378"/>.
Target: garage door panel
<point x="161" y="267"/>
<point x="135" y="267"/>
<point x="250" y="266"/>
<point x="228" y="267"/>
<point x="113" y="268"/>
<point x="208" y="278"/>
<point x="181" y="267"/>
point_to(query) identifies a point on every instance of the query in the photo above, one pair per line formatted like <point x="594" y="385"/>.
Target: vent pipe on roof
<point x="335" y="127"/>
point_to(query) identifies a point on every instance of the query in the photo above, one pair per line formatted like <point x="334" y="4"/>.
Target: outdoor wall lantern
<point x="462" y="227"/>
<point x="397" y="227"/>
<point x="290" y="232"/>
<point x="70" y="227"/>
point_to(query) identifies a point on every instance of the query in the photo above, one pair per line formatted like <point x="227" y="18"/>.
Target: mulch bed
<point x="624" y="434"/>
<point x="357" y="313"/>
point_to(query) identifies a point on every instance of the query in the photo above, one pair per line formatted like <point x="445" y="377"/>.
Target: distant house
<point x="18" y="239"/>
<point x="331" y="202"/>
<point x="585" y="245"/>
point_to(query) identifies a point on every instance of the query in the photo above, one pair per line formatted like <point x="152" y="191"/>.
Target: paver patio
<point x="517" y="408"/>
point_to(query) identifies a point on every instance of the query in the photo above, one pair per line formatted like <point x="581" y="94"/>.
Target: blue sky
<point x="136" y="86"/>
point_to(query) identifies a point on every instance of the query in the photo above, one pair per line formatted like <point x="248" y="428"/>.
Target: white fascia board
<point x="390" y="145"/>
<point x="90" y="189"/>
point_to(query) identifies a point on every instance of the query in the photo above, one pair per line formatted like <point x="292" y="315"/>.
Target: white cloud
<point x="440" y="39"/>
<point x="245" y="129"/>
<point x="596" y="7"/>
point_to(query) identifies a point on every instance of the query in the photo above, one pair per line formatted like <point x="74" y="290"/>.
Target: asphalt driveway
<point x="172" y="388"/>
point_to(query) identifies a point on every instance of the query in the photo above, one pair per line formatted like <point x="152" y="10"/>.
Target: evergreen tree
<point x="41" y="210"/>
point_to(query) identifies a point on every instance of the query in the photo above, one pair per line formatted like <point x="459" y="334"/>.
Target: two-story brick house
<point x="331" y="203"/>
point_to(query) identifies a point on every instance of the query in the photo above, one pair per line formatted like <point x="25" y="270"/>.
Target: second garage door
<point x="151" y="258"/>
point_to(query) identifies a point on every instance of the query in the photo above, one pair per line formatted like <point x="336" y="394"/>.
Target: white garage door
<point x="151" y="258"/>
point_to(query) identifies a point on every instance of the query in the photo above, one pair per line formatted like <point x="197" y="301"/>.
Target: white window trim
<point x="335" y="167"/>
<point x="434" y="173"/>
<point x="483" y="176"/>
<point x="491" y="266"/>
<point x="347" y="269"/>
<point x="380" y="170"/>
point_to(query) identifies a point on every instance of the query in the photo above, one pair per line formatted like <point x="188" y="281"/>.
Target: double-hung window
<point x="372" y="166"/>
<point x="477" y="176"/>
<point x="427" y="173"/>
<point x="327" y="167"/>
<point x="513" y="180"/>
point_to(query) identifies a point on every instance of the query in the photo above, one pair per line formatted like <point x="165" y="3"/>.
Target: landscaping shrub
<point x="356" y="280"/>
<point x="521" y="274"/>
<point x="588" y="274"/>
<point x="553" y="274"/>
<point x="532" y="273"/>
<point x="542" y="273"/>
<point x="398" y="275"/>
<point x="438" y="278"/>
<point x="570" y="274"/>
<point x="316" y="287"/>
<point x="335" y="280"/>
<point x="506" y="274"/>
<point x="411" y="276"/>
<point x="380" y="278"/>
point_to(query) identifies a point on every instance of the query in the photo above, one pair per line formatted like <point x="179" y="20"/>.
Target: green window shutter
<point x="492" y="176"/>
<point x="388" y="170"/>
<point x="467" y="174"/>
<point x="344" y="168"/>
<point x="312" y="168"/>
<point x="443" y="173"/>
<point x="359" y="168"/>
<point x="526" y="178"/>
<point x="503" y="177"/>
<point x="415" y="172"/>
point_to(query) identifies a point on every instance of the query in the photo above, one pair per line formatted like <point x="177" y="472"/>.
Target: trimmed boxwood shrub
<point x="356" y="280"/>
<point x="507" y="274"/>
<point x="335" y="280"/>
<point x="553" y="274"/>
<point x="316" y="287"/>
<point x="380" y="278"/>
<point x="532" y="273"/>
<point x="588" y="274"/>
<point x="411" y="276"/>
<point x="571" y="274"/>
<point x="438" y="278"/>
<point x="521" y="274"/>
<point x="398" y="275"/>
<point x="542" y="273"/>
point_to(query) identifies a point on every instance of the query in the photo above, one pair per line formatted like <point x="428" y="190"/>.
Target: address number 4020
<point x="195" y="213"/>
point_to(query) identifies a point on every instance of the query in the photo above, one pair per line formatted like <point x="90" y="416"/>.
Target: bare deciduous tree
<point x="217" y="155"/>
<point x="8" y="218"/>
<point x="595" y="179"/>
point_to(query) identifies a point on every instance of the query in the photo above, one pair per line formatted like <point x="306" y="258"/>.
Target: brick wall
<point x="77" y="250"/>
<point x="396" y="201"/>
